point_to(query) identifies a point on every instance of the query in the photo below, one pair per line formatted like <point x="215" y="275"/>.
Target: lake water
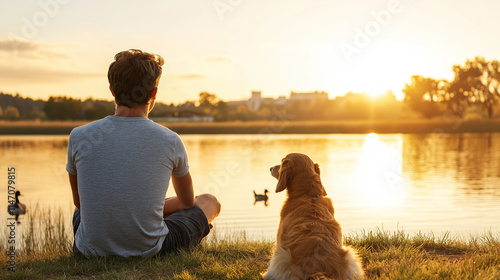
<point x="416" y="182"/>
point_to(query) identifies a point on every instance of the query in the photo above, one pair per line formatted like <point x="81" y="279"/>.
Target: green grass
<point x="46" y="253"/>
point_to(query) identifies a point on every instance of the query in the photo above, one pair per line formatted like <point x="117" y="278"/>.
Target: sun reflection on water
<point x="378" y="177"/>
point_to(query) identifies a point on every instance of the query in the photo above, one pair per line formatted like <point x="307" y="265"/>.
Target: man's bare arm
<point x="184" y="198"/>
<point x="74" y="189"/>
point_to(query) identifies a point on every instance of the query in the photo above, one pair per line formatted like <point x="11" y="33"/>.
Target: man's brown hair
<point x="133" y="76"/>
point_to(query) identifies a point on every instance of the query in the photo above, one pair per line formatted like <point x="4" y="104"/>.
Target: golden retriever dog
<point x="309" y="239"/>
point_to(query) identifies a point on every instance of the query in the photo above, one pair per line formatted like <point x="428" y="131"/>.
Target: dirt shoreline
<point x="281" y="127"/>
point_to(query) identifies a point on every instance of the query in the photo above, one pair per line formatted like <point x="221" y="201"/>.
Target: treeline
<point x="351" y="106"/>
<point x="474" y="89"/>
<point x="13" y="107"/>
<point x="16" y="107"/>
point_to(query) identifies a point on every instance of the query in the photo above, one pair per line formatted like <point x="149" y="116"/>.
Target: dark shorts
<point x="186" y="228"/>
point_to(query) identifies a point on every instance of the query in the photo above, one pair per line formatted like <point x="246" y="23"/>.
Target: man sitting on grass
<point x="119" y="170"/>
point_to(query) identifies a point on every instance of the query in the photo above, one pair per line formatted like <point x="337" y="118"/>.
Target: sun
<point x="383" y="66"/>
<point x="373" y="94"/>
<point x="376" y="69"/>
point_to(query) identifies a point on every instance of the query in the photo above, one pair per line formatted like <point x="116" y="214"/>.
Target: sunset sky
<point x="231" y="47"/>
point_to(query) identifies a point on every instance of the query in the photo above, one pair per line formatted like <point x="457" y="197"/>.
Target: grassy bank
<point x="282" y="126"/>
<point x="46" y="253"/>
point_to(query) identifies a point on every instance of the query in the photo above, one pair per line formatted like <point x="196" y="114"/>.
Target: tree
<point x="221" y="111"/>
<point x="11" y="113"/>
<point x="25" y="106"/>
<point x="242" y="113"/>
<point x="97" y="111"/>
<point x="475" y="82"/>
<point x="188" y="105"/>
<point x="162" y="109"/>
<point x="207" y="102"/>
<point x="63" y="108"/>
<point x="424" y="94"/>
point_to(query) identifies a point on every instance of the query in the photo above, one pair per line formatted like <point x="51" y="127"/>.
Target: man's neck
<point x="139" y="111"/>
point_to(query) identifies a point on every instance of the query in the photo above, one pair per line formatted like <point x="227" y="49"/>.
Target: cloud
<point x="190" y="76"/>
<point x="38" y="75"/>
<point x="12" y="45"/>
<point x="218" y="59"/>
<point x="30" y="49"/>
<point x="31" y="62"/>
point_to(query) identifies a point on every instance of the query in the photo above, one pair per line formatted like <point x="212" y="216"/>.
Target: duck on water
<point x="261" y="197"/>
<point x="17" y="208"/>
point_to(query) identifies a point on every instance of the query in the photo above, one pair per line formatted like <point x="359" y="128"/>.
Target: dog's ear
<point x="284" y="177"/>
<point x="316" y="168"/>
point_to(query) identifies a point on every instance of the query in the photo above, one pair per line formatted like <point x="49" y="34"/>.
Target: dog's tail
<point x="354" y="265"/>
<point x="353" y="271"/>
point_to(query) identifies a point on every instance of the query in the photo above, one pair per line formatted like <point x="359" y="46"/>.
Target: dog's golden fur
<point x="309" y="239"/>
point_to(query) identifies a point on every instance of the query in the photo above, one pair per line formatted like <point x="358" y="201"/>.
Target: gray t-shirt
<point x="123" y="166"/>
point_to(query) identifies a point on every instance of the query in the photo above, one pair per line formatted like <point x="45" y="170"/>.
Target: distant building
<point x="256" y="100"/>
<point x="309" y="96"/>
<point x="281" y="100"/>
